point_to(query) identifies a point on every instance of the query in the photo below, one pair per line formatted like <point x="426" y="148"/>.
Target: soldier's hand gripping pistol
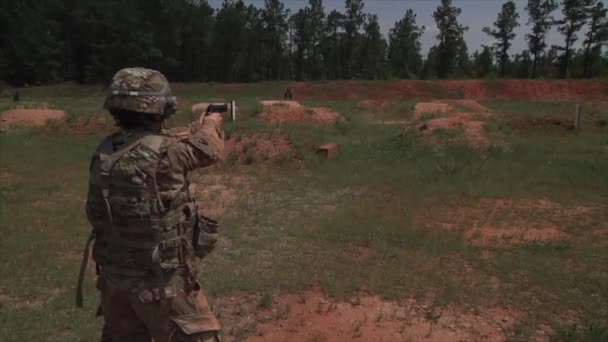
<point x="219" y="108"/>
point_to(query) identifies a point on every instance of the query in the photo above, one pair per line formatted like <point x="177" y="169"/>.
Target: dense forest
<point x="86" y="41"/>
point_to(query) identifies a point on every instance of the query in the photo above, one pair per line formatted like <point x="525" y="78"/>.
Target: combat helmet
<point x="140" y="90"/>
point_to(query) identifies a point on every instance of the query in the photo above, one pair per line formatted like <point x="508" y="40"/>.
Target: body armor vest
<point x="136" y="233"/>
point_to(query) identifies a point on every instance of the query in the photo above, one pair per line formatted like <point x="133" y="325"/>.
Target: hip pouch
<point x="205" y="236"/>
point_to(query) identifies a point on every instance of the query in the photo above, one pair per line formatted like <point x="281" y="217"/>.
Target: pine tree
<point x="229" y="40"/>
<point x="451" y="36"/>
<point x="539" y="13"/>
<point x="274" y="36"/>
<point x="575" y="14"/>
<point x="404" y="55"/>
<point x="373" y="50"/>
<point x="302" y="40"/>
<point x="317" y="22"/>
<point x="484" y="61"/>
<point x="309" y="29"/>
<point x="332" y="45"/>
<point x="353" y="22"/>
<point x="429" y="66"/>
<point x="503" y="32"/>
<point x="597" y="34"/>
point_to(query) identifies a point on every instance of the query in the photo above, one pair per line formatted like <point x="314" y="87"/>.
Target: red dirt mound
<point x="312" y="316"/>
<point x="31" y="117"/>
<point x="472" y="105"/>
<point x="423" y="108"/>
<point x="292" y="111"/>
<point x="472" y="130"/>
<point x="510" y="89"/>
<point x="248" y="149"/>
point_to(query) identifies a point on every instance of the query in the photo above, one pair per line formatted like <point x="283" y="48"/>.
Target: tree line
<point x="86" y="41"/>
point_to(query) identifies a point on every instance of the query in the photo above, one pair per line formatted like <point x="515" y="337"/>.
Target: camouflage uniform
<point x="145" y="223"/>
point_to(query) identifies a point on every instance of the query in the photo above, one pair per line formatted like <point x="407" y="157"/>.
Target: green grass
<point x="530" y="108"/>
<point x="368" y="218"/>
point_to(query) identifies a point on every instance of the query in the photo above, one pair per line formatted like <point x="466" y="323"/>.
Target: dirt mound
<point x="425" y="108"/>
<point x="312" y="316"/>
<point x="30" y="117"/>
<point x="457" y="127"/>
<point x="292" y="111"/>
<point x="538" y="90"/>
<point x="473" y="106"/>
<point x="249" y="149"/>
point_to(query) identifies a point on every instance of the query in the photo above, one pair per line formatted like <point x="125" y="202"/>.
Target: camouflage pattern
<point x="140" y="90"/>
<point x="146" y="209"/>
<point x="187" y="317"/>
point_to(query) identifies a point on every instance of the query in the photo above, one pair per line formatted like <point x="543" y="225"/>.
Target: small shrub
<point x="265" y="301"/>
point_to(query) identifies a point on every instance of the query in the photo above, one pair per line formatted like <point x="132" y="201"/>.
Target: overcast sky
<point x="476" y="14"/>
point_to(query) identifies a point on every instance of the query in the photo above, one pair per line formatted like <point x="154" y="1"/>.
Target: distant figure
<point x="16" y="98"/>
<point x="288" y="95"/>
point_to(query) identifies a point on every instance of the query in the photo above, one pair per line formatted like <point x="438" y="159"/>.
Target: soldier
<point x="146" y="228"/>
<point x="288" y="95"/>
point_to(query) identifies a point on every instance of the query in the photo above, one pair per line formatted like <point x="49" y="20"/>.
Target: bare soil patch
<point x="514" y="235"/>
<point x="29" y="303"/>
<point x="374" y="104"/>
<point x="292" y="111"/>
<point x="30" y="117"/>
<point x="217" y="194"/>
<point x="7" y="177"/>
<point x="504" y="222"/>
<point x="249" y="149"/>
<point x="313" y="316"/>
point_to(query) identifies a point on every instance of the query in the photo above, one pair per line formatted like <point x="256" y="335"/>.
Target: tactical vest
<point x="136" y="233"/>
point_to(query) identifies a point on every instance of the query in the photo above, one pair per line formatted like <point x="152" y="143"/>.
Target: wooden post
<point x="577" y="117"/>
<point x="233" y="110"/>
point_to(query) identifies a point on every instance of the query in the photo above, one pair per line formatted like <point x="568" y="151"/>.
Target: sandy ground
<point x="30" y="117"/>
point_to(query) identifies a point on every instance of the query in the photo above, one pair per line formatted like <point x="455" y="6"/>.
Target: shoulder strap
<point x="109" y="157"/>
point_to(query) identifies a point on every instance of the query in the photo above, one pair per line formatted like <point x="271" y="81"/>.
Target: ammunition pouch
<point x="205" y="236"/>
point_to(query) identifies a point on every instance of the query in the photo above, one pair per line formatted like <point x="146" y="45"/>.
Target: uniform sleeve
<point x="202" y="147"/>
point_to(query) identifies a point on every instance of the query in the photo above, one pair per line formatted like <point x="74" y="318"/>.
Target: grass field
<point x="390" y="215"/>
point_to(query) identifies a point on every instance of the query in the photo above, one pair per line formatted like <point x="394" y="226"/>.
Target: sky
<point x="476" y="14"/>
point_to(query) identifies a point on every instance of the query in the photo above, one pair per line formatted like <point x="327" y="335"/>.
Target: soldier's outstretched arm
<point x="201" y="146"/>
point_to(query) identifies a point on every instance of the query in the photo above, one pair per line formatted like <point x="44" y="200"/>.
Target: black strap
<point x="83" y="268"/>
